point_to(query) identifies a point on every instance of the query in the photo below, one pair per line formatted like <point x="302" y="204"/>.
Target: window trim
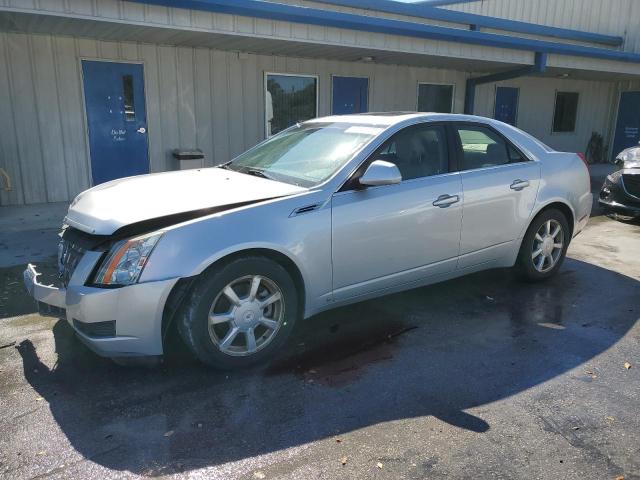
<point x="553" y="113"/>
<point x="460" y="154"/>
<point x="351" y="185"/>
<point x="350" y="76"/>
<point x="264" y="95"/>
<point x="453" y="95"/>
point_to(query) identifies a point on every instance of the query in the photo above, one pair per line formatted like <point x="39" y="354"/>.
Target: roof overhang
<point x="431" y="44"/>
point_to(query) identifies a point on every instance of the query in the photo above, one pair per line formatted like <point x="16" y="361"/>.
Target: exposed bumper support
<point x="135" y="309"/>
<point x="539" y="66"/>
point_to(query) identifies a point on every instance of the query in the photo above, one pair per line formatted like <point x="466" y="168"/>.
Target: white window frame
<point x="264" y="93"/>
<point x="352" y="76"/>
<point x="453" y="93"/>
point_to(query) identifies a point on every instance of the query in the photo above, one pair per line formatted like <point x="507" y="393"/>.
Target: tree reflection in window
<point x="289" y="99"/>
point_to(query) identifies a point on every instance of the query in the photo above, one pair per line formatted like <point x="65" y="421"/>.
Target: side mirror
<point x="380" y="173"/>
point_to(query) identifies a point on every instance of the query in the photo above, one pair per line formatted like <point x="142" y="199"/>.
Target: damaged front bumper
<point x="113" y="322"/>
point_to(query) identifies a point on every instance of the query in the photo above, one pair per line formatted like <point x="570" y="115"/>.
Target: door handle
<point x="142" y="130"/>
<point x="519" y="184"/>
<point x="443" y="201"/>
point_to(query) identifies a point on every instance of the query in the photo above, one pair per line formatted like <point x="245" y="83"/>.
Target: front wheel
<point x="544" y="246"/>
<point x="240" y="314"/>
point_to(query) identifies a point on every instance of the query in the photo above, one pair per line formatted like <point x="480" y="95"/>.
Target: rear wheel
<point x="240" y="314"/>
<point x="544" y="246"/>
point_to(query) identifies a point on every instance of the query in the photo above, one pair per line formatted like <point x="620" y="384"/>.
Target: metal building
<point x="92" y="90"/>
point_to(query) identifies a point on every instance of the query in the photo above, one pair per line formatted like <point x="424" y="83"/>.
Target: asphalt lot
<point x="479" y="377"/>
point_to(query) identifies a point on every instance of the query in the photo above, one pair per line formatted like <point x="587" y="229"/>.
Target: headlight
<point x="126" y="260"/>
<point x="629" y="155"/>
<point x="613" y="177"/>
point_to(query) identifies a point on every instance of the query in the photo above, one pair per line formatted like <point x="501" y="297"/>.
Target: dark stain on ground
<point x="343" y="358"/>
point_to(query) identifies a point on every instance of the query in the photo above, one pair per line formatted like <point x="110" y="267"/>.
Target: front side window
<point x="482" y="147"/>
<point x="306" y="154"/>
<point x="290" y="99"/>
<point x="418" y="151"/>
<point x="435" y="98"/>
<point x="565" y="112"/>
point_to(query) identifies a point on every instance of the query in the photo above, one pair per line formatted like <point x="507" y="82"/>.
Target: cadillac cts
<point x="329" y="212"/>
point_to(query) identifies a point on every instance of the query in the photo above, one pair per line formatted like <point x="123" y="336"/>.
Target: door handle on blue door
<point x="444" y="201"/>
<point x="519" y="184"/>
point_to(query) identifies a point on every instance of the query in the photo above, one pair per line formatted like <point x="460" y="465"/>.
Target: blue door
<point x="350" y="95"/>
<point x="117" y="120"/>
<point x="506" y="109"/>
<point x="628" y="124"/>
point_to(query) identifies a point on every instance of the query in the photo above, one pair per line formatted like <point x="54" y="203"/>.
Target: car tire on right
<point x="544" y="246"/>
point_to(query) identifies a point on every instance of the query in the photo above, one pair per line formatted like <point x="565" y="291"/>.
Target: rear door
<point x="397" y="234"/>
<point x="500" y="186"/>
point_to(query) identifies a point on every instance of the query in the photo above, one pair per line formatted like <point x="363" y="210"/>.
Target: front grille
<point x="96" y="329"/>
<point x="69" y="256"/>
<point x="632" y="184"/>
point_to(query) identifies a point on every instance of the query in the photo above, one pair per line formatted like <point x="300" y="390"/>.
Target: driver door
<point x="389" y="235"/>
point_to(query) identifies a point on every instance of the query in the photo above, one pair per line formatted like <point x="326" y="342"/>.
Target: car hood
<point x="172" y="196"/>
<point x="629" y="158"/>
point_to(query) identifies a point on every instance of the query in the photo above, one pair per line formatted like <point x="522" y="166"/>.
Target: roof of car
<point x="391" y="118"/>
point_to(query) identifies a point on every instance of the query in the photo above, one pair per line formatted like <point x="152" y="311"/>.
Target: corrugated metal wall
<point x="611" y="17"/>
<point x="213" y="100"/>
<point x="196" y="97"/>
<point x="596" y="105"/>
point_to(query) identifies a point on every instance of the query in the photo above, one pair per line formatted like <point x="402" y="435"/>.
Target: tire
<point x="528" y="265"/>
<point x="215" y="342"/>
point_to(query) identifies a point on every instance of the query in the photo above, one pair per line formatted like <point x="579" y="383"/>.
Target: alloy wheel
<point x="548" y="245"/>
<point x="246" y="315"/>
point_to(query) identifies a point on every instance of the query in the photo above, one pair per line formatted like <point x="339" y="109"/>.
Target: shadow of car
<point x="437" y="351"/>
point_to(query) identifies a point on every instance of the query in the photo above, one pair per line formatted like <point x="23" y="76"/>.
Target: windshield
<point x="305" y="154"/>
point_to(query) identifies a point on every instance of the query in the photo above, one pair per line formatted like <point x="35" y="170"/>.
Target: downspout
<point x="539" y="66"/>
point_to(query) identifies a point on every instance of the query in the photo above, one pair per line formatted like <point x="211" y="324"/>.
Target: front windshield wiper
<point x="256" y="172"/>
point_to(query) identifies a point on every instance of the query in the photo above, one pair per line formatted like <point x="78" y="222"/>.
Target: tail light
<point x="583" y="158"/>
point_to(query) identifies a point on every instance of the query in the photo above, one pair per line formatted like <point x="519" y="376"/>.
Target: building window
<point x="435" y="98"/>
<point x="289" y="99"/>
<point x="565" y="112"/>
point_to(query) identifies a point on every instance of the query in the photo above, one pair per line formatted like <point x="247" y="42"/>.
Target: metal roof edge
<point x="312" y="16"/>
<point x="429" y="11"/>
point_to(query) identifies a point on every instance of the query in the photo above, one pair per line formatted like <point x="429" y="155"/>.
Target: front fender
<point x="188" y="249"/>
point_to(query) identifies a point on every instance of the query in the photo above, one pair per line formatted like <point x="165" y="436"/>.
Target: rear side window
<point x="418" y="151"/>
<point x="482" y="148"/>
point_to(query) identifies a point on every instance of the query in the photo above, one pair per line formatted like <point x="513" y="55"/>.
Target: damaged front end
<point x="96" y="288"/>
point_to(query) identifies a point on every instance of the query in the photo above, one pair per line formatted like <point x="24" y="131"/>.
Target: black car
<point x="620" y="193"/>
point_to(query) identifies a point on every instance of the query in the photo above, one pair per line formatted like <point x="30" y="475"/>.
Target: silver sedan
<point x="326" y="213"/>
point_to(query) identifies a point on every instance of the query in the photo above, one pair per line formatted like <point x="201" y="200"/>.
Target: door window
<point x="129" y="105"/>
<point x="418" y="151"/>
<point x="482" y="147"/>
